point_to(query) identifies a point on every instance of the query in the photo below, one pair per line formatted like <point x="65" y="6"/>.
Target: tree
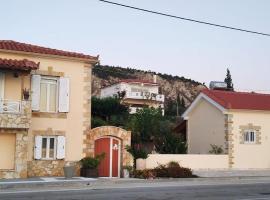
<point x="150" y="129"/>
<point x="228" y="80"/>
<point x="144" y="125"/>
<point x="108" y="111"/>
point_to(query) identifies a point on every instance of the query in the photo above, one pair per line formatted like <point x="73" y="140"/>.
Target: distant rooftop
<point x="239" y="100"/>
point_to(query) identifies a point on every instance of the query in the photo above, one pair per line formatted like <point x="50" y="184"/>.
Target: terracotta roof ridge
<point x="241" y="92"/>
<point x="24" y="47"/>
<point x="227" y="104"/>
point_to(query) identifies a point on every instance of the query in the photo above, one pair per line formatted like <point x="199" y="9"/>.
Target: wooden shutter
<point x="35" y="88"/>
<point x="61" y="147"/>
<point x="38" y="147"/>
<point x="63" y="105"/>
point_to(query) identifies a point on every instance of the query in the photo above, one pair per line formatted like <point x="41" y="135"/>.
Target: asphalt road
<point x="260" y="191"/>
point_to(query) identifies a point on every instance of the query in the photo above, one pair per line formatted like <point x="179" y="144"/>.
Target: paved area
<point x="232" y="173"/>
<point x="253" y="191"/>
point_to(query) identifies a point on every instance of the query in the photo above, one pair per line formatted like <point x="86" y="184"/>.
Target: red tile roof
<point x="18" y="46"/>
<point x="239" y="100"/>
<point x="24" y="65"/>
<point x="137" y="81"/>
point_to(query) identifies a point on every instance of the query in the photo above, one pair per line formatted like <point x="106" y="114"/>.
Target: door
<point x="110" y="165"/>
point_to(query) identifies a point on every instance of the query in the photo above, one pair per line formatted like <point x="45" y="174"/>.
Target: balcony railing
<point x="15" y="114"/>
<point x="145" y="95"/>
<point x="9" y="106"/>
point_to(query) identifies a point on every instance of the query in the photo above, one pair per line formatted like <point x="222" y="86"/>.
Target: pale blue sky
<point x="134" y="39"/>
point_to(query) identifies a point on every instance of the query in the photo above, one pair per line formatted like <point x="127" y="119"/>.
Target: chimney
<point x="155" y="78"/>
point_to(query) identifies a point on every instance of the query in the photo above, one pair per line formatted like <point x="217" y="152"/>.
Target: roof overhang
<point x="197" y="100"/>
<point x="90" y="61"/>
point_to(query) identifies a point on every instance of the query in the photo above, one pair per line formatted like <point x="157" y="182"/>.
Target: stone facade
<point x="37" y="168"/>
<point x="229" y="138"/>
<point x="19" y="120"/>
<point x="86" y="106"/>
<point x="20" y="170"/>
<point x="123" y="135"/>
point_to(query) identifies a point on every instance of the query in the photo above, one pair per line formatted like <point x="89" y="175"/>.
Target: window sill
<point x="49" y="115"/>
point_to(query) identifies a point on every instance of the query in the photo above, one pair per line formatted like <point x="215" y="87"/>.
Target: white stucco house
<point x="138" y="93"/>
<point x="238" y="122"/>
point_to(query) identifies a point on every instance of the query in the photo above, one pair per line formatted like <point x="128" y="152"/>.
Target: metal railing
<point x="145" y="95"/>
<point x="10" y="106"/>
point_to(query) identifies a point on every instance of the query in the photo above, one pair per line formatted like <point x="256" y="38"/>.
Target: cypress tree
<point x="228" y="80"/>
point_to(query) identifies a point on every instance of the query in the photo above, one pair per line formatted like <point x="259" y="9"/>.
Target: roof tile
<point x="18" y="46"/>
<point x="239" y="100"/>
<point x="13" y="64"/>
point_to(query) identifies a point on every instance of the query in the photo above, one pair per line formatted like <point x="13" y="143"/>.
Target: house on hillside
<point x="136" y="93"/>
<point x="236" y="121"/>
<point x="42" y="133"/>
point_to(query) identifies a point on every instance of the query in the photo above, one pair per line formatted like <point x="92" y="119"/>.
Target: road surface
<point x="253" y="191"/>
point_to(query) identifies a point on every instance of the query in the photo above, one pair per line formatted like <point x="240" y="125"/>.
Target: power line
<point x="186" y="19"/>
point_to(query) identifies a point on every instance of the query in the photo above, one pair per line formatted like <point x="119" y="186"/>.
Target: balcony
<point x="145" y="95"/>
<point x="15" y="114"/>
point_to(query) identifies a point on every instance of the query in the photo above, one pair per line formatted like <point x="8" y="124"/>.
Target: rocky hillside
<point x="170" y="85"/>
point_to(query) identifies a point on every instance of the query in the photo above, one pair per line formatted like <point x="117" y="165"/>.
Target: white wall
<point x="192" y="161"/>
<point x="128" y="87"/>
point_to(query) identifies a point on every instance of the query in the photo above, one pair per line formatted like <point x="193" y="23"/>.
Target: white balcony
<point x="10" y="106"/>
<point x="15" y="114"/>
<point x="145" y="95"/>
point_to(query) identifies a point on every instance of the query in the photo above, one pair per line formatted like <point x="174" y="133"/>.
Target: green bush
<point x="137" y="152"/>
<point x="92" y="162"/>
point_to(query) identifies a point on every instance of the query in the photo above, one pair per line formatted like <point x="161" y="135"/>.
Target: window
<point x="250" y="136"/>
<point x="48" y="147"/>
<point x="48" y="94"/>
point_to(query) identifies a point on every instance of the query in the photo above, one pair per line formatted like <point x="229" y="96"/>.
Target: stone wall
<point x="20" y="170"/>
<point x="123" y="135"/>
<point x="37" y="168"/>
<point x="20" y="120"/>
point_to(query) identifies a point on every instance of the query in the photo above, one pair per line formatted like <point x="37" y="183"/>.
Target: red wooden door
<point x="103" y="145"/>
<point x="115" y="157"/>
<point x="109" y="166"/>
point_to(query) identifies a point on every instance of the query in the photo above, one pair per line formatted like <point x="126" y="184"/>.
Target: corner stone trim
<point x="250" y="126"/>
<point x="229" y="138"/>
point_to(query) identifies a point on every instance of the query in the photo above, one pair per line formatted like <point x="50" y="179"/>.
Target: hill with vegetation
<point x="173" y="87"/>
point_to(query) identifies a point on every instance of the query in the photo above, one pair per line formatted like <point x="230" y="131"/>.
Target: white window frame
<point x="48" y="147"/>
<point x="48" y="93"/>
<point x="247" y="138"/>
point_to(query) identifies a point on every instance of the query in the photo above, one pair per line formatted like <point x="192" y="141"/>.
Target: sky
<point x="129" y="38"/>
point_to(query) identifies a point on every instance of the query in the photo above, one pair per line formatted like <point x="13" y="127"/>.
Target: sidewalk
<point x="79" y="183"/>
<point x="232" y="173"/>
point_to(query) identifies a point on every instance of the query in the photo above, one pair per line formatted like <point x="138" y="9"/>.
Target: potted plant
<point x="90" y="165"/>
<point x="26" y="94"/>
<point x="139" y="154"/>
<point x="126" y="171"/>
